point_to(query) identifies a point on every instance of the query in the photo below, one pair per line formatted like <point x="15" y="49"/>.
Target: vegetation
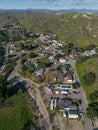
<point x="3" y="87"/>
<point x="89" y="78"/>
<point x="15" y="110"/>
<point x="90" y="83"/>
<point x="94" y="96"/>
<point x="1" y="55"/>
<point x="16" y="116"/>
<point x="91" y="113"/>
<point x="92" y="109"/>
<point x="90" y="47"/>
<point x="65" y="26"/>
<point x="79" y="33"/>
<point x="43" y="63"/>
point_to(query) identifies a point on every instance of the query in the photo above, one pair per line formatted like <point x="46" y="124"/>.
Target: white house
<point x="62" y="60"/>
<point x="72" y="114"/>
<point x="64" y="92"/>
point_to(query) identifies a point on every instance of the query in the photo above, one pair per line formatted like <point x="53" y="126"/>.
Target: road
<point x="39" y="101"/>
<point x="5" y="58"/>
<point x="84" y="105"/>
<point x="33" y="92"/>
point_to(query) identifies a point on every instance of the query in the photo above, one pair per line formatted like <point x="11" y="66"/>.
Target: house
<point x="64" y="92"/>
<point x="93" y="52"/>
<point x="11" y="51"/>
<point x="51" y="58"/>
<point x="57" y="92"/>
<point x="86" y="53"/>
<point x="73" y="114"/>
<point x="56" y="44"/>
<point x="50" y="88"/>
<point x="66" y="104"/>
<point x="41" y="54"/>
<point x="62" y="60"/>
<point x="39" y="72"/>
<point x="64" y="86"/>
<point x="68" y="78"/>
<point x="69" y="107"/>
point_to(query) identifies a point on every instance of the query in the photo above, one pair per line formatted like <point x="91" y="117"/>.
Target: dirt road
<point x="31" y="88"/>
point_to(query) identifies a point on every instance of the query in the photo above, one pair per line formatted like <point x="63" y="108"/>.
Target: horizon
<point x="48" y="9"/>
<point x="50" y="4"/>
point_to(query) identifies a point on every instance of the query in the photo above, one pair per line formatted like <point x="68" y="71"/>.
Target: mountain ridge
<point x="47" y="10"/>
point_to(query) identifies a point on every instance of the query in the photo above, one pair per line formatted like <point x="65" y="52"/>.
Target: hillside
<point x="78" y="28"/>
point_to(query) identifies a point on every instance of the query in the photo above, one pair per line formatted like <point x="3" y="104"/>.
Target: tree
<point x="3" y="87"/>
<point x="93" y="96"/>
<point x="28" y="125"/>
<point x="90" y="47"/>
<point x="43" y="63"/>
<point x="89" y="78"/>
<point x="91" y="113"/>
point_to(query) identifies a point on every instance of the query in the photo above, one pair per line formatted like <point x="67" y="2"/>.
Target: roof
<point x="64" y="86"/>
<point x="68" y="76"/>
<point x="73" y="112"/>
<point x="66" y="103"/>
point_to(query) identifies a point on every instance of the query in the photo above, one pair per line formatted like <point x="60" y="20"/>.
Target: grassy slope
<point x="90" y="65"/>
<point x="67" y="27"/>
<point x="14" y="118"/>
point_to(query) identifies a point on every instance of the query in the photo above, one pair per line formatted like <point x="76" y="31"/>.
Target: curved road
<point x="34" y="93"/>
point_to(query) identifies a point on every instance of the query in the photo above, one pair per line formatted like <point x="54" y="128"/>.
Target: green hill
<point x="78" y="28"/>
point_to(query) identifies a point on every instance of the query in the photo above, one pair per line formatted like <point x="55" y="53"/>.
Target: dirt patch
<point x="61" y="123"/>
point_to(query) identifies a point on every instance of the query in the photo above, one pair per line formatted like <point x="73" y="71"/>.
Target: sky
<point x="49" y="4"/>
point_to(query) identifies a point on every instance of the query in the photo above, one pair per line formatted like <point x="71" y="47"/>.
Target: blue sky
<point x="49" y="4"/>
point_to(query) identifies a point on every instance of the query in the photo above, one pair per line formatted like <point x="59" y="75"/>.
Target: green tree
<point x="90" y="47"/>
<point x="89" y="78"/>
<point x="91" y="113"/>
<point x="3" y="87"/>
<point x="93" y="96"/>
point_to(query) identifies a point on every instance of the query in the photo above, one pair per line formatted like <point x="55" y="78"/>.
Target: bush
<point x="91" y="113"/>
<point x="90" y="47"/>
<point x="93" y="96"/>
<point x="89" y="78"/>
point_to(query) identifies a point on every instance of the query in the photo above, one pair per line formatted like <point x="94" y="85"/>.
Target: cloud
<point x="76" y="2"/>
<point x="63" y="3"/>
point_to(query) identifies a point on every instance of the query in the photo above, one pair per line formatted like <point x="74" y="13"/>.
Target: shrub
<point x="89" y="78"/>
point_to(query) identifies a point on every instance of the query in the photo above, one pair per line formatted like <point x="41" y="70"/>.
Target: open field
<point x="91" y="65"/>
<point x="15" y="117"/>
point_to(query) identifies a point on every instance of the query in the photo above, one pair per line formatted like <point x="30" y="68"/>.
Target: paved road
<point x="88" y="124"/>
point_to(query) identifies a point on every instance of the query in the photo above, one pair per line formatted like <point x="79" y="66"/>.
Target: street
<point x="88" y="124"/>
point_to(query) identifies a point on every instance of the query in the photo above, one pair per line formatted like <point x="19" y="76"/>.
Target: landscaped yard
<point x="91" y="65"/>
<point x="16" y="116"/>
